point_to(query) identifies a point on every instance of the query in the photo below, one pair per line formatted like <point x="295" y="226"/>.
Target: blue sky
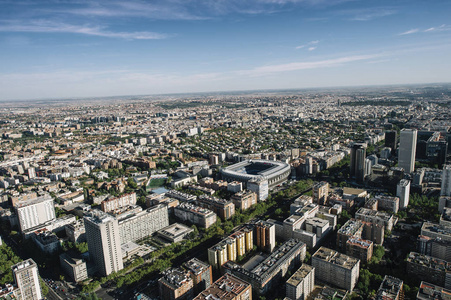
<point x="64" y="48"/>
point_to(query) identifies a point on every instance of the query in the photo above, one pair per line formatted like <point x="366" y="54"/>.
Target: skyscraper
<point x="102" y="234"/>
<point x="403" y="191"/>
<point x="407" y="148"/>
<point x="26" y="277"/>
<point x="446" y="181"/>
<point x="357" y="164"/>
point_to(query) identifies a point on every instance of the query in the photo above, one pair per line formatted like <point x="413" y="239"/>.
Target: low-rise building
<point x="391" y="288"/>
<point x="228" y="287"/>
<point x="74" y="266"/>
<point x="195" y="214"/>
<point x="225" y="209"/>
<point x="429" y="291"/>
<point x="244" y="199"/>
<point x="176" y="284"/>
<point x="175" y="233"/>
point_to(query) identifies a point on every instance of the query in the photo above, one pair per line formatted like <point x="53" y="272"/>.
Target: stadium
<point x="275" y="172"/>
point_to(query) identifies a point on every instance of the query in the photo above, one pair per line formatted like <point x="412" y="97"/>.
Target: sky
<point x="94" y="48"/>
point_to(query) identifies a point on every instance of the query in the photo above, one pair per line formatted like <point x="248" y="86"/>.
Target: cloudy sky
<point x="78" y="48"/>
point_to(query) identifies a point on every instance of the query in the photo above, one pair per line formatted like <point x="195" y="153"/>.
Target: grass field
<point x="154" y="183"/>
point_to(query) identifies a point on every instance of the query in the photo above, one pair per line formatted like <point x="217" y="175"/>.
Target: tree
<point x="278" y="212"/>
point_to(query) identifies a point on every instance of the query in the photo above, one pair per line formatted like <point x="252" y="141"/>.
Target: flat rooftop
<point x="335" y="258"/>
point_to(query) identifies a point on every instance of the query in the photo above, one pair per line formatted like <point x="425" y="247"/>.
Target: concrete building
<point x="230" y="248"/>
<point x="228" y="287"/>
<point x="244" y="199"/>
<point x="268" y="273"/>
<point x="32" y="213"/>
<point x="235" y="186"/>
<point x="429" y="291"/>
<point x="422" y="266"/>
<point x="320" y="192"/>
<point x="176" y="284"/>
<point x="357" y="163"/>
<point x="446" y="181"/>
<point x="352" y="228"/>
<point x="114" y="204"/>
<point x="391" y="288"/>
<point x="387" y="203"/>
<point x="102" y="235"/>
<point x="200" y="273"/>
<point x="175" y="233"/>
<point x="376" y="217"/>
<point x="335" y="268"/>
<point x="225" y="209"/>
<point x="391" y="140"/>
<point x="195" y="214"/>
<point x="407" y="148"/>
<point x="359" y="248"/>
<point x="26" y="278"/>
<point x="74" y="267"/>
<point x="403" y="192"/>
<point x="265" y="235"/>
<point x="301" y="283"/>
<point x="76" y="232"/>
<point x="142" y="224"/>
<point x="46" y="241"/>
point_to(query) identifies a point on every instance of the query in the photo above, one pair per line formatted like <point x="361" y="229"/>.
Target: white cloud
<point x="295" y="66"/>
<point x="411" y="31"/>
<point x="309" y="44"/>
<point x="54" y="27"/>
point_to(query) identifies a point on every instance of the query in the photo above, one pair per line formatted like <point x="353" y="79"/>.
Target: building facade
<point x="407" y="148"/>
<point x="335" y="268"/>
<point x="26" y="277"/>
<point x="102" y="235"/>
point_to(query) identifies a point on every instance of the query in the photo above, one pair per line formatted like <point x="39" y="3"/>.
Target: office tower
<point x="266" y="235"/>
<point x="335" y="268"/>
<point x="446" y="181"/>
<point x="32" y="213"/>
<point x="102" y="234"/>
<point x="391" y="138"/>
<point x="301" y="284"/>
<point x="407" y="148"/>
<point x="403" y="191"/>
<point x="176" y="284"/>
<point x="26" y="277"/>
<point x="357" y="164"/>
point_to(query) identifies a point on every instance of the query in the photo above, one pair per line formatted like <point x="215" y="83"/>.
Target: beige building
<point x="244" y="199"/>
<point x="266" y="235"/>
<point x="26" y="277"/>
<point x="301" y="284"/>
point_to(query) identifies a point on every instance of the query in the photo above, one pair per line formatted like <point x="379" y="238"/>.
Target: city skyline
<point x="56" y="49"/>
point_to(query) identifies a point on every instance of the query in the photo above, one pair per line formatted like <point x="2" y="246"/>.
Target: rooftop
<point x="336" y="258"/>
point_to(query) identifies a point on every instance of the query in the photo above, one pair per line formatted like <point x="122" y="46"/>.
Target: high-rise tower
<point x="26" y="277"/>
<point x="407" y="148"/>
<point x="102" y="234"/>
